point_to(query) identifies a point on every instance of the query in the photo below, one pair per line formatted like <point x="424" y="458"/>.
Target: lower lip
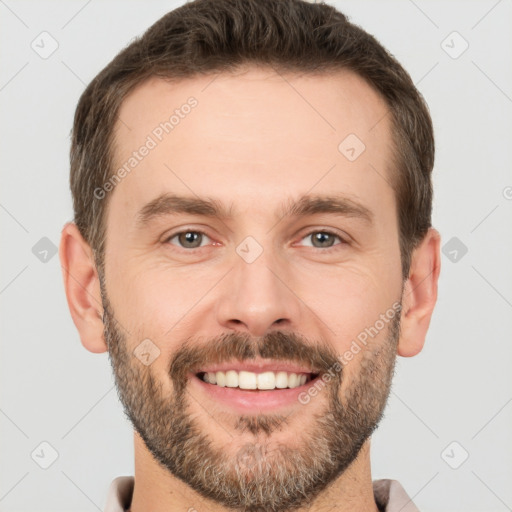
<point x="256" y="400"/>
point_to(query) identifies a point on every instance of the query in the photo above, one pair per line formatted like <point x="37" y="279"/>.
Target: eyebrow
<point x="170" y="204"/>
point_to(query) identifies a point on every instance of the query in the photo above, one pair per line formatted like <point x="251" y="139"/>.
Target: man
<point x="253" y="246"/>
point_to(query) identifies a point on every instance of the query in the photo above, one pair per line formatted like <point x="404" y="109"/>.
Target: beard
<point x="261" y="475"/>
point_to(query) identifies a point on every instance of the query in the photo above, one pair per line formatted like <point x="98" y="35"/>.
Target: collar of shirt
<point x="390" y="496"/>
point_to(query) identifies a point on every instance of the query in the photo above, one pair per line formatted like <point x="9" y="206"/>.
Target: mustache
<point x="277" y="345"/>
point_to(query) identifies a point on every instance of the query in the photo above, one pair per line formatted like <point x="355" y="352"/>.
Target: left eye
<point x="189" y="239"/>
<point x="322" y="239"/>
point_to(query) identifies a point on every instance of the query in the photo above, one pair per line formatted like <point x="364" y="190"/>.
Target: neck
<point x="157" y="490"/>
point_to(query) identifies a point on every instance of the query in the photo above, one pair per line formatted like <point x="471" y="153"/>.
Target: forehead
<point x="252" y="133"/>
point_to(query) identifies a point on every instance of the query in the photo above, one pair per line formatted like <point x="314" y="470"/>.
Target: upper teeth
<point x="250" y="380"/>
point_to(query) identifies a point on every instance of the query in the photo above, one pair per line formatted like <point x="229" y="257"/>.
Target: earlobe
<point x="420" y="294"/>
<point x="81" y="284"/>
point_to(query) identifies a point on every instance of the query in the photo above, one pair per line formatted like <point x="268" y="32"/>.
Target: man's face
<point x="261" y="291"/>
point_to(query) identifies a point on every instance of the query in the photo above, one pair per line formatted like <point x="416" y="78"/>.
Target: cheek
<point x="161" y="304"/>
<point x="353" y="311"/>
<point x="350" y="297"/>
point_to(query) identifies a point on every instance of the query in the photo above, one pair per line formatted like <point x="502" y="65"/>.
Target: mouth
<point x="255" y="387"/>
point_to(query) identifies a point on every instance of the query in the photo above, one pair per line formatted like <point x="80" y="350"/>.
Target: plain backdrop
<point x="446" y="431"/>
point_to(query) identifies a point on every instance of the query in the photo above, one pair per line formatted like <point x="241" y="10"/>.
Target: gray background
<point x="457" y="390"/>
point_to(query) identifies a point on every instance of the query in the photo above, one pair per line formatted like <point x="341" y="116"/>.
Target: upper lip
<point x="257" y="366"/>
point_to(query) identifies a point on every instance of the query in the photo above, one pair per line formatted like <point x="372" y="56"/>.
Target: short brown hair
<point x="206" y="36"/>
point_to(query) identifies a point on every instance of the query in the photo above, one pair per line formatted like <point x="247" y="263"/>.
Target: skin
<point x="251" y="142"/>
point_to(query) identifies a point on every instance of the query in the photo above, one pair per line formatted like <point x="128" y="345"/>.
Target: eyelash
<point x="322" y="249"/>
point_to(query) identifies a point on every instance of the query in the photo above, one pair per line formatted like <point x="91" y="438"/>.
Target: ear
<point x="82" y="287"/>
<point x="420" y="294"/>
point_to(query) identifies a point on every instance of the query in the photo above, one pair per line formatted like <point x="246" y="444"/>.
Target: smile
<point x="256" y="385"/>
<point x="267" y="380"/>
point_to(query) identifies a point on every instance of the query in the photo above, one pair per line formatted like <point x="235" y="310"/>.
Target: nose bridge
<point x="256" y="297"/>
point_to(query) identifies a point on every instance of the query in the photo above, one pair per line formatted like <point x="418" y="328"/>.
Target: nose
<point x="257" y="297"/>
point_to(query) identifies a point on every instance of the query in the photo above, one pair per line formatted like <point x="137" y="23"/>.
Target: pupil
<point x="321" y="237"/>
<point x="190" y="237"/>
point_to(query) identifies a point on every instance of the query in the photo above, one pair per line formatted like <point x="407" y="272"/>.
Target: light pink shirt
<point x="389" y="495"/>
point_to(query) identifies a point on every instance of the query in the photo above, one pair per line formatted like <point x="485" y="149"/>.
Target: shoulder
<point x="390" y="496"/>
<point x="119" y="495"/>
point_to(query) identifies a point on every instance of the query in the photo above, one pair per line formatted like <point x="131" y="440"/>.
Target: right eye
<point x="188" y="239"/>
